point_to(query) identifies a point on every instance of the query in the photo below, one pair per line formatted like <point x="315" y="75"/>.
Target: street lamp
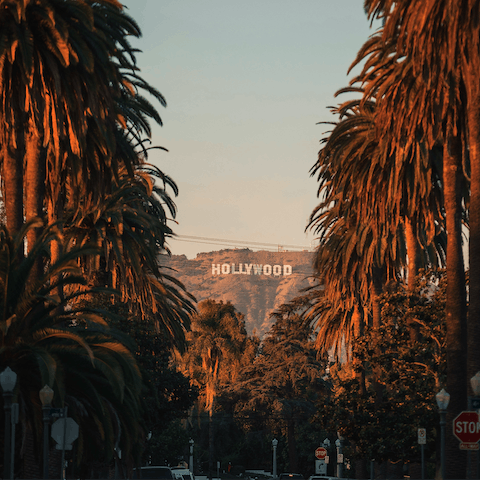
<point x="8" y="379"/>
<point x="191" y="442"/>
<point x="475" y="383"/>
<point x="46" y="397"/>
<point x="274" y="445"/>
<point x="338" y="444"/>
<point x="442" y="398"/>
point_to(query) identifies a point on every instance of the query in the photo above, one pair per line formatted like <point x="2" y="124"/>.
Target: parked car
<point x="154" y="472"/>
<point x="182" y="473"/>
<point x="291" y="476"/>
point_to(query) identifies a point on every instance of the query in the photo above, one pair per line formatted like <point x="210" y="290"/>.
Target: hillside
<point x="255" y="282"/>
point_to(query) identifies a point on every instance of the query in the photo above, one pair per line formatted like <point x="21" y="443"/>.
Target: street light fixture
<point x="191" y="442"/>
<point x="442" y="398"/>
<point x="8" y="380"/>
<point x="46" y="397"/>
<point x="274" y="445"/>
<point x="475" y="383"/>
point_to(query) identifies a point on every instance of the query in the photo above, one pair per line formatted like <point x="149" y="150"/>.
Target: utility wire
<point x="214" y="241"/>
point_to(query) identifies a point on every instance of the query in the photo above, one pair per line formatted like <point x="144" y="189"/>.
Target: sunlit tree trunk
<point x="358" y="331"/>
<point x="12" y="175"/>
<point x="413" y="255"/>
<point x="34" y="190"/>
<point x="455" y="304"/>
<point x="473" y="324"/>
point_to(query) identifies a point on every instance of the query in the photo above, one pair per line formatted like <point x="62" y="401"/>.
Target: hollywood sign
<point x="250" y="269"/>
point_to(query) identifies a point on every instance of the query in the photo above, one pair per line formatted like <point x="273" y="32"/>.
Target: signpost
<point x="320" y="463"/>
<point x="64" y="431"/>
<point x="466" y="427"/>
<point x="422" y="441"/>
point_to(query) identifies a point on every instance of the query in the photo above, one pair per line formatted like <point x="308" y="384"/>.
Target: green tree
<point x="410" y="373"/>
<point x="281" y="386"/>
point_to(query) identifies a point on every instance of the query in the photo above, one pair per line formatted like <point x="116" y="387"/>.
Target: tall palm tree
<point x="64" y="69"/>
<point x="217" y="346"/>
<point x="435" y="39"/>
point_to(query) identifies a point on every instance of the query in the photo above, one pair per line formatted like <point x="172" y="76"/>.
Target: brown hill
<point x="254" y="282"/>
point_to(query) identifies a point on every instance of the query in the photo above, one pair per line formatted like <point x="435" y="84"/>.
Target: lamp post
<point x="475" y="383"/>
<point x="442" y="398"/>
<point x="46" y="397"/>
<point x="8" y="379"/>
<point x="274" y="469"/>
<point x="326" y="444"/>
<point x="474" y="404"/>
<point x="190" y="463"/>
<point x="338" y="444"/>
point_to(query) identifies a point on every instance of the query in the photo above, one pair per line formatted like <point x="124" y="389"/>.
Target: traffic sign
<point x="422" y="436"/>
<point x="65" y="427"/>
<point x="466" y="427"/>
<point x="320" y="453"/>
<point x="320" y="467"/>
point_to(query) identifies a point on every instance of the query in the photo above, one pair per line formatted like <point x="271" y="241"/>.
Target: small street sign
<point x="466" y="427"/>
<point x="422" y="436"/>
<point x="475" y="403"/>
<point x="320" y="467"/>
<point x="57" y="413"/>
<point x="339" y="457"/>
<point x="469" y="446"/>
<point x="320" y="453"/>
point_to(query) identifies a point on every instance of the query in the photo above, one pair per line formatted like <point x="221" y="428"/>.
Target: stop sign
<point x="320" y="453"/>
<point x="466" y="427"/>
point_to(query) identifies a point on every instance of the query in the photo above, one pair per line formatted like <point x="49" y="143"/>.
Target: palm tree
<point x="218" y="345"/>
<point x="131" y="231"/>
<point x="436" y="44"/>
<point x="47" y="340"/>
<point x="64" y="69"/>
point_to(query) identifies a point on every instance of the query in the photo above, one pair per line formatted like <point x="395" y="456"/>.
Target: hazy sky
<point x="246" y="83"/>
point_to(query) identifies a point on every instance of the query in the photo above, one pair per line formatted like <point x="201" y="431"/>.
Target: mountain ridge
<point x="256" y="283"/>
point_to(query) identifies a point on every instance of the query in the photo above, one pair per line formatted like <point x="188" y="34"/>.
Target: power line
<point x="225" y="242"/>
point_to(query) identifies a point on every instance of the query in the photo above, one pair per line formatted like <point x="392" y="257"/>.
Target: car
<point x="154" y="472"/>
<point x="322" y="477"/>
<point x="182" y="473"/>
<point x="291" y="476"/>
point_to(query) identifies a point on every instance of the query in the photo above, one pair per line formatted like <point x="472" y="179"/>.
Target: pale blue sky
<point x="246" y="83"/>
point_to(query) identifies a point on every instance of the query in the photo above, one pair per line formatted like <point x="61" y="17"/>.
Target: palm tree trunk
<point x="473" y="322"/>
<point x="292" y="445"/>
<point x="413" y="248"/>
<point x="211" y="442"/>
<point x="412" y="253"/>
<point x="13" y="181"/>
<point x="455" y="304"/>
<point x="358" y="331"/>
<point x="376" y="324"/>
<point x="34" y="191"/>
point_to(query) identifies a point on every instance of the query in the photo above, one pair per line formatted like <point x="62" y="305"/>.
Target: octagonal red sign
<point x="320" y="453"/>
<point x="466" y="427"/>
